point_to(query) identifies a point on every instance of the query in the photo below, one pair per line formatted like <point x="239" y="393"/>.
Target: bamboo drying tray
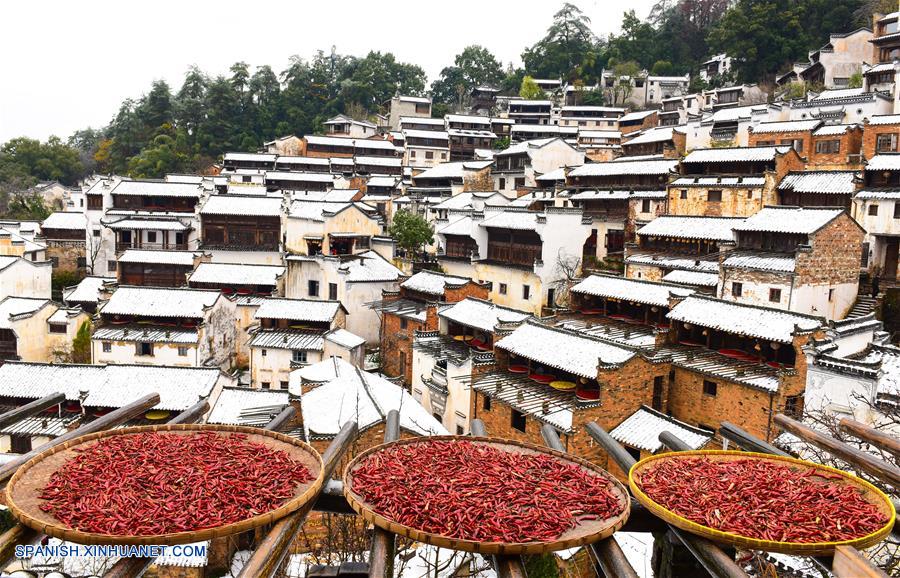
<point x="28" y="482"/>
<point x="869" y="492"/>
<point x="584" y="532"/>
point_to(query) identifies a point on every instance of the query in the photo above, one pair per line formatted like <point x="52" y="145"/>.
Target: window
<point x="182" y="351"/>
<point x="775" y="295"/>
<point x="749" y="193"/>
<point x="107" y="347"/>
<point x="429" y="154"/>
<point x="96" y="232"/>
<point x="264" y="352"/>
<point x="793" y="405"/>
<point x="517" y="420"/>
<point x="111" y="266"/>
<point x="502" y="183"/>
<point x="737" y="289"/>
<point x="828" y="146"/>
<point x="645" y="206"/>
<point x="795" y="143"/>
<point x="658" y="392"/>
<point x="58" y="327"/>
<point x="897" y="209"/>
<point x="284" y="384"/>
<point x="864" y="261"/>
<point x="885" y="143"/>
<point x="298" y="356"/>
<point x="502" y="288"/>
<point x="143" y="348"/>
<point x="460" y="431"/>
<point x="520" y="183"/>
<point x="831" y="295"/>
<point x="412" y="154"/>
<point x="683" y="193"/>
<point x="873" y="210"/>
<point x="443" y="156"/>
<point x="151" y="236"/>
<point x="332" y="291"/>
<point x="526" y="291"/>
<point x="710" y="388"/>
<point x="486" y="403"/>
<point x="312" y="288"/>
<point x="81" y="262"/>
<point x="245" y="179"/>
<point x="265" y="385"/>
<point x="714" y="196"/>
<point x="95" y="202"/>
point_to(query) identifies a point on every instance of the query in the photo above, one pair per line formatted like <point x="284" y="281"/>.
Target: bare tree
<point x="566" y="271"/>
<point x="92" y="247"/>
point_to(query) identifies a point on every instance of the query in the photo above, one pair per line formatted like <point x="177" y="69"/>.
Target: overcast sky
<point x="68" y="65"/>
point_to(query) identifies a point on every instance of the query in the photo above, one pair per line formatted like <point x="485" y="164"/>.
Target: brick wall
<point x="776" y="137"/>
<point x="396" y="342"/>
<point x="736" y="202"/>
<point x="472" y="289"/>
<point x="850" y="144"/>
<point x="870" y="137"/>
<point x="67" y="254"/>
<point x="835" y="255"/>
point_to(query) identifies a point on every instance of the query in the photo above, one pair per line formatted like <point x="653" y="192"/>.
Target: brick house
<point x="669" y="142"/>
<point x="64" y="234"/>
<point x="880" y="135"/>
<point x="796" y="134"/>
<point x="836" y="146"/>
<point x="638" y="121"/>
<point x="877" y="208"/>
<point x="818" y="188"/>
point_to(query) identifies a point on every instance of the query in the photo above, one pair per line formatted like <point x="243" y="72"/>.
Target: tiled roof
<point x="654" y="135"/>
<point x="778" y="219"/>
<point x="521" y="220"/>
<point x="299" y="177"/>
<point x="760" y="261"/>
<point x="873" y="194"/>
<point x="646" y="167"/>
<point x="462" y="226"/>
<point x="245" y="406"/>
<point x="480" y="314"/>
<point x="316" y="210"/>
<point x="432" y="283"/>
<point x="884" y="162"/>
<point x="69" y="221"/>
<point x="369" y="266"/>
<point x="692" y="181"/>
<point x="285" y="339"/>
<point x="87" y="290"/>
<point x="637" y="290"/>
<point x="882" y="119"/>
<point x="12" y="307"/>
<point x="378" y="161"/>
<point x="160" y="302"/>
<point x="749" y="320"/>
<point x="298" y="310"/>
<point x="838" y="182"/>
<point x="708" y="228"/>
<point x="146" y="333"/>
<point x="344" y="338"/>
<point x="452" y="170"/>
<point x="185" y="258"/>
<point x="641" y="430"/>
<point x="786" y="126"/>
<point x="700" y="264"/>
<point x="735" y="155"/>
<point x="144" y="224"/>
<point x="234" y="205"/>
<point x="691" y="278"/>
<point x="642" y="114"/>
<point x="157" y="189"/>
<point x="833" y="129"/>
<point x="234" y="274"/>
<point x="251" y="157"/>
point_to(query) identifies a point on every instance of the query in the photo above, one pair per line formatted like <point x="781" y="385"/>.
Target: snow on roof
<point x="252" y="157"/>
<point x="421" y="120"/>
<point x="160" y="302"/>
<point x="613" y="194"/>
<point x="873" y="194"/>
<point x="288" y="339"/>
<point x="375" y="144"/>
<point x="369" y="266"/>
<point x="781" y="219"/>
<point x="184" y="258"/>
<point x="335" y="141"/>
<point x="430" y="134"/>
<point x="523" y="102"/>
<point x="833" y="129"/>
<point x="299" y="177"/>
<point x="624" y="167"/>
<point x="840" y="93"/>
<point x="419" y="99"/>
<point x="653" y="135"/>
<point x="703" y="264"/>
<point x="693" y="181"/>
<point x="760" y="261"/>
<point x="109" y="385"/>
<point x="348" y="393"/>
<point x="561" y="349"/>
<point x="468" y="118"/>
<point x="637" y="290"/>
<point x="520" y="220"/>
<point x="554" y="175"/>
<point x="733" y="114"/>
<point x="462" y="226"/>
<point x="11" y="307"/>
<point x="882" y="119"/>
<point x="692" y="278"/>
<point x="234" y="205"/>
<point x="740" y="319"/>
<point x="639" y="115"/>
<point x="590" y="108"/>
<point x="236" y="274"/>
<point x="137" y="224"/>
<point x="71" y="221"/>
<point x="291" y="160"/>
<point x="736" y="155"/>
<point x="786" y="126"/>
<point x="146" y="333"/>
<point x="481" y="314"/>
<point x="316" y="210"/>
<point x="525" y="146"/>
<point x="685" y="227"/>
<point x="256" y="405"/>
<point x="345" y="338"/>
<point x="452" y="170"/>
<point x="157" y="189"/>
<point x="378" y="161"/>
<point x="382" y="182"/>
<point x="545" y="129"/>
<point x="432" y="283"/>
<point x="884" y="162"/>
<point x="839" y="182"/>
<point x="298" y="310"/>
<point x="608" y="134"/>
<point x="87" y="290"/>
<point x="641" y="431"/>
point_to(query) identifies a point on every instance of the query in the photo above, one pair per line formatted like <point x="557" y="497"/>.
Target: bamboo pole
<point x="30" y="409"/>
<point x="381" y="557"/>
<point x="873" y="436"/>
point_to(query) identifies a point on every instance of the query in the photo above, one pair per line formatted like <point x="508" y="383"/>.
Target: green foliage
<point x="662" y="68"/>
<point x="530" y="90"/>
<point x="795" y="90"/>
<point x="163" y="155"/>
<point x="541" y="566"/>
<point x="411" y="231"/>
<point x="49" y="161"/>
<point x="474" y="66"/>
<point x="81" y="344"/>
<point x="502" y="143"/>
<point x="569" y="50"/>
<point x="59" y="280"/>
<point x="855" y="80"/>
<point x="27" y="206"/>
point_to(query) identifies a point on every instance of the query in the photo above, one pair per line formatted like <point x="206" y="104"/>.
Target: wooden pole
<point x="191" y="414"/>
<point x="282" y="418"/>
<point x="747" y="441"/>
<point x="873" y="436"/>
<point x="381" y="557"/>
<point x="30" y="409"/>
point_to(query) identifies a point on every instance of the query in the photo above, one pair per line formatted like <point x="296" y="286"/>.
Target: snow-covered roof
<point x="334" y="141"/>
<point x="288" y="339"/>
<point x="525" y="146"/>
<point x="554" y="175"/>
<point x="316" y="210"/>
<point x="740" y="319"/>
<point x="780" y="219"/>
<point x="183" y="258"/>
<point x="452" y="170"/>
<point x="641" y="430"/>
<point x="160" y="302"/>
<point x="157" y="189"/>
<point x="786" y="126"/>
<point x="236" y="274"/>
<point x="738" y="113"/>
<point x="561" y="349"/>
<point x="247" y="407"/>
<point x="109" y="385"/>
<point x="462" y="226"/>
<point x="520" y="220"/>
<point x="12" y="307"/>
<point x="70" y="221"/>
<point x="378" y="161"/>
<point x="882" y="119"/>
<point x="875" y="194"/>
<point x="700" y="264"/>
<point x="369" y="266"/>
<point x="884" y="162"/>
<point x="637" y="290"/>
<point x="639" y="115"/>
<point x="419" y="99"/>
<point x="432" y="283"/>
<point x="468" y="118"/>
<point x="421" y="120"/>
<point x="235" y="205"/>
<point x="736" y="154"/>
<point x="143" y="224"/>
<point x="691" y="278"/>
<point x="625" y="167"/>
<point x="291" y="160"/>
<point x="833" y="129"/>
<point x="87" y="290"/>
<point x="653" y="135"/>
<point x="686" y="227"/>
<point x="251" y="157"/>
<point x="481" y="314"/>
<point x="302" y="177"/>
<point x="840" y="93"/>
<point x="613" y="194"/>
<point x="695" y="181"/>
<point x="345" y="393"/>
<point x="429" y="134"/>
<point x="146" y="333"/>
<point x="344" y="338"/>
<point x="298" y="310"/>
<point x="838" y="182"/>
<point x="607" y="134"/>
<point x="381" y="181"/>
<point x="760" y="261"/>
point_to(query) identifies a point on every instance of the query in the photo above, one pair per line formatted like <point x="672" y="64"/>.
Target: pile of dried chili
<point x="159" y="483"/>
<point x="473" y="491"/>
<point x="761" y="499"/>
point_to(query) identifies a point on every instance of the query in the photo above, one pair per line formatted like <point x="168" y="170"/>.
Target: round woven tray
<point x="585" y="532"/>
<point x="869" y="492"/>
<point x="28" y="482"/>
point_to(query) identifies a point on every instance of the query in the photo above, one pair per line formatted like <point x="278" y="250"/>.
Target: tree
<point x="411" y="231"/>
<point x="81" y="344"/>
<point x="163" y="155"/>
<point x="568" y="50"/>
<point x="856" y="80"/>
<point x="530" y="90"/>
<point x="48" y="161"/>
<point x="624" y="73"/>
<point x="474" y="66"/>
<point x="636" y="43"/>
<point x="27" y="207"/>
<point x="662" y="68"/>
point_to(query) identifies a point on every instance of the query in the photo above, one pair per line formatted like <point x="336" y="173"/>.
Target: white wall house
<point x="313" y="227"/>
<point x="20" y="277"/>
<point x="516" y="167"/>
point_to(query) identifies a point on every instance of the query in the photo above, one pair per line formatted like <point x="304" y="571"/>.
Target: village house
<point x="334" y="392"/>
<point x="730" y="182"/>
<point x="733" y="96"/>
<point x="669" y="142"/>
<point x="22" y="239"/>
<point x="530" y="111"/>
<point x="443" y="180"/>
<point x="637" y="121"/>
<point x="425" y="148"/>
<point x="677" y="110"/>
<point x="355" y="281"/>
<point x="818" y="188"/>
<point x="87" y="293"/>
<point x="882" y="78"/>
<point x="164" y="326"/>
<point x="590" y="117"/>
<point x="233" y="161"/>
<point x="20" y="277"/>
<point x="516" y="168"/>
<point x="600" y="145"/>
<point x="715" y="67"/>
<point x="804" y="260"/>
<point x="483" y="99"/>
<point x="316" y="227"/>
<point x="645" y="174"/>
<point x="291" y="333"/>
<point x="409" y="106"/>
<point x="286" y="145"/>
<point x="35" y="329"/>
<point x="470" y="201"/>
<point x="659" y="88"/>
<point x="886" y="38"/>
<point x="639" y="433"/>
<point x="302" y="164"/>
<point x="880" y="135"/>
<point x="836" y="146"/>
<point x="796" y="134"/>
<point x="502" y="127"/>
<point x="465" y="142"/>
<point x="93" y="390"/>
<point x="342" y="125"/>
<point x="421" y="123"/>
<point x="414" y="307"/>
<point x="375" y="147"/>
<point x="523" y="257"/>
<point x="378" y="165"/>
<point x="833" y="64"/>
<point x="877" y="208"/>
<point x="520" y="132"/>
<point x="64" y="235"/>
<point x="157" y="268"/>
<point x="841" y="106"/>
<point x="442" y="360"/>
<point x="298" y="181"/>
<point x="327" y="146"/>
<point x="242" y="229"/>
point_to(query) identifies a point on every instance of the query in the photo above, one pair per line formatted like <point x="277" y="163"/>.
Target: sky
<point x="69" y="65"/>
